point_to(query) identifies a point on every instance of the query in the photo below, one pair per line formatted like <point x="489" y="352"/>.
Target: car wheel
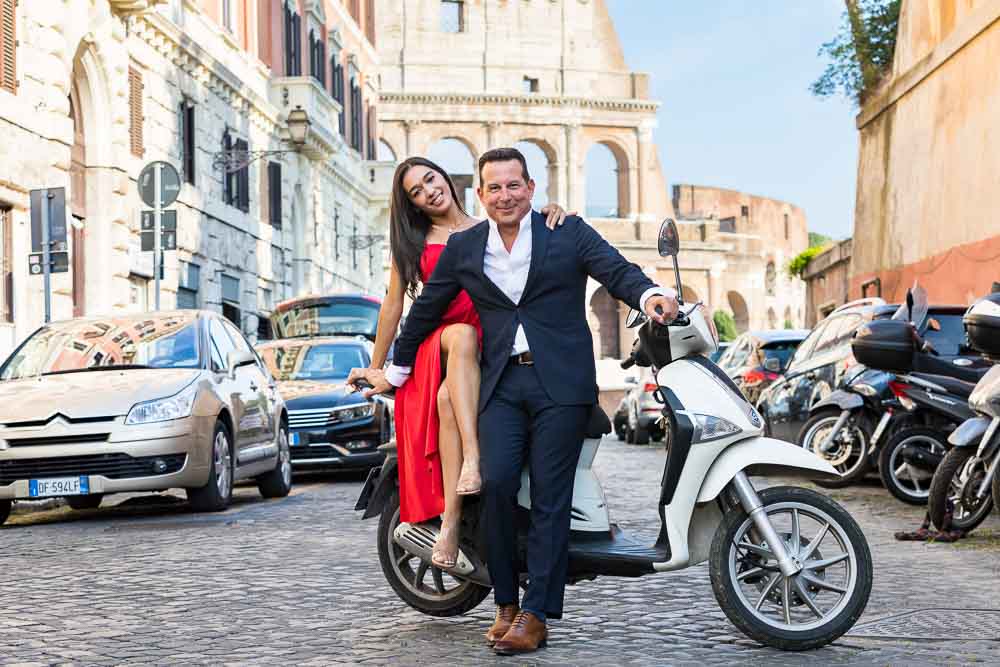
<point x="278" y="482"/>
<point x="88" y="502"/>
<point x="5" y="506"/>
<point x="641" y="436"/>
<point x="218" y="490"/>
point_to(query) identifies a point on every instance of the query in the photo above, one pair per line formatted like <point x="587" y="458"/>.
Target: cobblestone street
<point x="297" y="581"/>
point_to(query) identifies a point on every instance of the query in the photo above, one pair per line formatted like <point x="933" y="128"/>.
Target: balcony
<point x="290" y="92"/>
<point x="132" y="7"/>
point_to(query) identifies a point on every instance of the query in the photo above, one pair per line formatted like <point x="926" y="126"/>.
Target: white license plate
<point x="294" y="439"/>
<point x="59" y="486"/>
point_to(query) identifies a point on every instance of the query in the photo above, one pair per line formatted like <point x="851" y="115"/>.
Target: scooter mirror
<point x="909" y="305"/>
<point x="669" y="242"/>
<point x="634" y="319"/>
<point x="772" y="364"/>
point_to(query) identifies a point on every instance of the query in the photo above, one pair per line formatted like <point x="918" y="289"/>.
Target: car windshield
<point x="781" y="350"/>
<point x="949" y="338"/>
<point x="326" y="361"/>
<point x="327" y="318"/>
<point x="147" y="341"/>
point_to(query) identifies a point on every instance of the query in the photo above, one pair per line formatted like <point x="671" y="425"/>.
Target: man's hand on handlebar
<point x="661" y="309"/>
<point x="370" y="381"/>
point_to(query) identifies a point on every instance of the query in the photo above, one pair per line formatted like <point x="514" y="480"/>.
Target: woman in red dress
<point x="437" y="408"/>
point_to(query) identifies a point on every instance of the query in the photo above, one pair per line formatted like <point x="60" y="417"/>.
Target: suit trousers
<point x="519" y="425"/>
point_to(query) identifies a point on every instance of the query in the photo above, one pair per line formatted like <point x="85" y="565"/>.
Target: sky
<point x="733" y="78"/>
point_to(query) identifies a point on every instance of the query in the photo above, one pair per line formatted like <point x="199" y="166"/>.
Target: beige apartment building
<point x="92" y="90"/>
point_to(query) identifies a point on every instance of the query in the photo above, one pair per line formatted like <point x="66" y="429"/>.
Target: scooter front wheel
<point x="814" y="606"/>
<point x="418" y="583"/>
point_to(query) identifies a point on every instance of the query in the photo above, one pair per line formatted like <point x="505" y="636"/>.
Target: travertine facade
<point x="73" y="121"/>
<point x="552" y="73"/>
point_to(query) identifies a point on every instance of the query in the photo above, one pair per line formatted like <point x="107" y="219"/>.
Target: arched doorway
<point x="385" y="152"/>
<point x="605" y="308"/>
<point x="772" y="319"/>
<point x="540" y="170"/>
<point x="607" y="182"/>
<point x="455" y="157"/>
<point x="741" y="313"/>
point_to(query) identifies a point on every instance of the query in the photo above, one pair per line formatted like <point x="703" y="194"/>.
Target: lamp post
<point x="298" y="130"/>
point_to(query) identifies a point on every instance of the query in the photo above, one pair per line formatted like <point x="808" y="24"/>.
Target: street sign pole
<point x="46" y="256"/>
<point x="157" y="216"/>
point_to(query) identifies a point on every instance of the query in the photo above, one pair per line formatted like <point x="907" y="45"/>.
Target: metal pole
<point x="157" y="215"/>
<point x="46" y="256"/>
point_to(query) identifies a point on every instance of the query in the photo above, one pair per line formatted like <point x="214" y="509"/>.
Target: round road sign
<point x="170" y="184"/>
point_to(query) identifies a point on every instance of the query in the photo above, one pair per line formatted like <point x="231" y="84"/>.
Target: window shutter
<point x="296" y="45"/>
<point x="8" y="45"/>
<point x="189" y="144"/>
<point x="370" y="21"/>
<point x="227" y="178"/>
<point x="243" y="187"/>
<point x="135" y="111"/>
<point x="274" y="193"/>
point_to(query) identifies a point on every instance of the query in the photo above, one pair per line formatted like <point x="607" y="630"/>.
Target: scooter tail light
<point x="650" y="387"/>
<point x="753" y="376"/>
<point x="899" y="390"/>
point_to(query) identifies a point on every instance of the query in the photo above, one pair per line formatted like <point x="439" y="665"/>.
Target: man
<point x="538" y="380"/>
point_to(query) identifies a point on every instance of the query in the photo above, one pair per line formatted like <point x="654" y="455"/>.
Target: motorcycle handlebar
<point x="628" y="363"/>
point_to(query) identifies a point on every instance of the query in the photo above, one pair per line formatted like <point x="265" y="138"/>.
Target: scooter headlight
<point x="710" y="427"/>
<point x="865" y="389"/>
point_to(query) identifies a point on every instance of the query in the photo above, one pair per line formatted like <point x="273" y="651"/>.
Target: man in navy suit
<point x="539" y="380"/>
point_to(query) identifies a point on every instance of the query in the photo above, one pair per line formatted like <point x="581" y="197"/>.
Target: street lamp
<point x="298" y="129"/>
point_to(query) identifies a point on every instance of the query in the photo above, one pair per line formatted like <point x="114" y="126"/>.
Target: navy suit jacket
<point x="552" y="308"/>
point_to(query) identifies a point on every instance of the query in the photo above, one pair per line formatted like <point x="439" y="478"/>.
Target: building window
<point x="227" y="15"/>
<point x="134" y="111"/>
<point x="787" y="232"/>
<point x="337" y="88"/>
<point x="317" y="58"/>
<point x="370" y="129"/>
<point x="727" y="225"/>
<point x="138" y="293"/>
<point x="452" y="16"/>
<point x="274" y="194"/>
<point x="770" y="278"/>
<point x="744" y="211"/>
<point x="530" y="85"/>
<point x="236" y="185"/>
<point x="370" y="21"/>
<point x="6" y="265"/>
<point x="293" y="42"/>
<point x="8" y="45"/>
<point x="356" y="117"/>
<point x="231" y="300"/>
<point x="188" y="282"/>
<point x="186" y="123"/>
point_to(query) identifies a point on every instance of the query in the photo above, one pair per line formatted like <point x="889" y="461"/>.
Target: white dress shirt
<point x="509" y="272"/>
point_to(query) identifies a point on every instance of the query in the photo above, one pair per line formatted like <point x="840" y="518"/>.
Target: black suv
<point x="819" y="363"/>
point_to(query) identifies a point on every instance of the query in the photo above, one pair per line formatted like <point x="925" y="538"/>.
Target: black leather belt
<point x="523" y="359"/>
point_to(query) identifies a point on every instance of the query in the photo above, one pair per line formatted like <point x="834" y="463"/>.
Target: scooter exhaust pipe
<point x="419" y="539"/>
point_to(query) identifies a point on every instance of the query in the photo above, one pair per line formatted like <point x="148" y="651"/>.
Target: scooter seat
<point x="599" y="425"/>
<point x="959" y="388"/>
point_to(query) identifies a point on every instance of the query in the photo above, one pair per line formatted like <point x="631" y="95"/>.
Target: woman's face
<point x="428" y="190"/>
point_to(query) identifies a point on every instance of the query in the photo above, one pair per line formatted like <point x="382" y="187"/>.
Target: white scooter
<point x="789" y="567"/>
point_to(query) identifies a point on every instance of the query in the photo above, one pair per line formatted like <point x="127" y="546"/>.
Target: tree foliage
<point x="797" y="266"/>
<point x="815" y="238"/>
<point x="725" y="325"/>
<point x="862" y="51"/>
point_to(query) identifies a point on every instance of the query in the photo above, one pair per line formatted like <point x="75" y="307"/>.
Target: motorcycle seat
<point x="959" y="388"/>
<point x="599" y="425"/>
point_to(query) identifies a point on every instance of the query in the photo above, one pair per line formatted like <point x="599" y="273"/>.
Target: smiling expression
<point x="428" y="190"/>
<point x="505" y="193"/>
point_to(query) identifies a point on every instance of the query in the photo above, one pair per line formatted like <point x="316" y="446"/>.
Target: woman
<point x="437" y="408"/>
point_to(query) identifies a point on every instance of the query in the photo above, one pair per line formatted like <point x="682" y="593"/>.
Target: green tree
<point x="862" y="51"/>
<point x="815" y="239"/>
<point x="725" y="325"/>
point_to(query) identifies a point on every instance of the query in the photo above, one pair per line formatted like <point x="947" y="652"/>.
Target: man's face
<point x="504" y="193"/>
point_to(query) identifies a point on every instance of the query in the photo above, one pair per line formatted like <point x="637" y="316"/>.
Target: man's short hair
<point x="503" y="155"/>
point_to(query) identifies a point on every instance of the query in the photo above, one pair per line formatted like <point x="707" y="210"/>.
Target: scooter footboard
<point x="766" y="457"/>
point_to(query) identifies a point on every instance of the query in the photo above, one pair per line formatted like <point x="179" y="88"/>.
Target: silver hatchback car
<point x="148" y="402"/>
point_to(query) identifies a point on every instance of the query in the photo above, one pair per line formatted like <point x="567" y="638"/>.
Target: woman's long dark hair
<point x="408" y="225"/>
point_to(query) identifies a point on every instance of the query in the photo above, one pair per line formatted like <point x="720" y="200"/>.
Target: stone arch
<point x="688" y="294"/>
<point x="605" y="310"/>
<point x="457" y="157"/>
<point x="770" y="279"/>
<point x="603" y="156"/>
<point x="788" y="323"/>
<point x="542" y="167"/>
<point x="386" y="153"/>
<point x="772" y="319"/>
<point x="741" y="313"/>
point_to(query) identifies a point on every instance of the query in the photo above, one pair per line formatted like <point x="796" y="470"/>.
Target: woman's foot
<point x="469" y="482"/>
<point x="445" y="553"/>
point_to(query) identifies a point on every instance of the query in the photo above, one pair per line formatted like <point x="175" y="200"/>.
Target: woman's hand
<point x="374" y="381"/>
<point x="556" y="215"/>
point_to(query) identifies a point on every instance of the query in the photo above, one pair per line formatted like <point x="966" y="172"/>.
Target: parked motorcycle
<point x="789" y="567"/>
<point x="961" y="485"/>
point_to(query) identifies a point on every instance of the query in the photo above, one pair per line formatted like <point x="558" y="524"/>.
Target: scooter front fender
<point x="844" y="400"/>
<point x="969" y="433"/>
<point x="762" y="456"/>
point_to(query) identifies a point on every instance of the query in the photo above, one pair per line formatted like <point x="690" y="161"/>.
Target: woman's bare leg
<point x="460" y="349"/>
<point x="450" y="452"/>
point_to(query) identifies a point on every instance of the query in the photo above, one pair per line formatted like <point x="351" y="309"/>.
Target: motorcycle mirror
<point x="634" y="319"/>
<point x="669" y="242"/>
<point x="909" y="305"/>
<point x="773" y="365"/>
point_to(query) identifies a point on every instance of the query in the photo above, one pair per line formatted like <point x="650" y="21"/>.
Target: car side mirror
<point x="773" y="365"/>
<point x="237" y="358"/>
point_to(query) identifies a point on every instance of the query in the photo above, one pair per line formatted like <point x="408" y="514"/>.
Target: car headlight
<point x="710" y="427"/>
<point x="864" y="389"/>
<point x="350" y="412"/>
<point x="177" y="406"/>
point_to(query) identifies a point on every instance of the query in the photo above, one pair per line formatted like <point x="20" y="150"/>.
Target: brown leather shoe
<point x="505" y="616"/>
<point x="526" y="634"/>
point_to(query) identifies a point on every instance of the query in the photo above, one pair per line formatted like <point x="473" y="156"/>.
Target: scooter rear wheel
<point x="903" y="480"/>
<point x="812" y="607"/>
<point x="417" y="583"/>
<point x="850" y="451"/>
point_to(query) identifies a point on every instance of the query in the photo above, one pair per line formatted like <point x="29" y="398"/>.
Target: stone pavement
<point x="297" y="582"/>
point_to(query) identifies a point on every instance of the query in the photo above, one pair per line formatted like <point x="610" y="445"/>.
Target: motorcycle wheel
<point x="812" y="607"/>
<point x="996" y="490"/>
<point x="954" y="485"/>
<point x="909" y="484"/>
<point x="850" y="453"/>
<point x="443" y="595"/>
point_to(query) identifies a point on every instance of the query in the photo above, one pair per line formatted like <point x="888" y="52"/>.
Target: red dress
<point x="421" y="486"/>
